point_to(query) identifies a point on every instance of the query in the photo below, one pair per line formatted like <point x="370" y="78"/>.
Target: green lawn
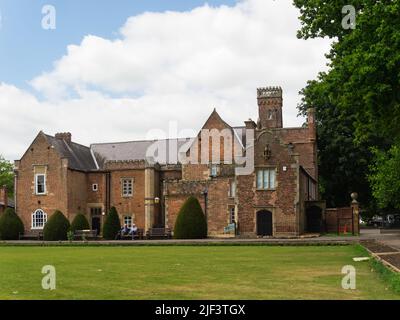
<point x="188" y="272"/>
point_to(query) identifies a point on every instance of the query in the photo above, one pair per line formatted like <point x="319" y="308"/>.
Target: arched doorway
<point x="264" y="223"/>
<point x="314" y="219"/>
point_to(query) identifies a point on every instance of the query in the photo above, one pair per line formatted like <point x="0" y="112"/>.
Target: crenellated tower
<point x="270" y="107"/>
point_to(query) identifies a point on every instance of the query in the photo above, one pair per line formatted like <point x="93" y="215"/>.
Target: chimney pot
<point x="66" y="136"/>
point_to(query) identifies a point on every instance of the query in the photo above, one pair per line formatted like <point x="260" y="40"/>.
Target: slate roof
<point x="133" y="150"/>
<point x="79" y="156"/>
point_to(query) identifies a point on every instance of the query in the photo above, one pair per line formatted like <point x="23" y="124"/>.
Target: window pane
<point x="231" y="215"/>
<point x="272" y="179"/>
<point x="40" y="184"/>
<point x="128" y="221"/>
<point x="259" y="179"/>
<point x="266" y="179"/>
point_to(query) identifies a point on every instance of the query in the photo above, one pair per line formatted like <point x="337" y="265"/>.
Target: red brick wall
<point x="130" y="206"/>
<point x="40" y="153"/>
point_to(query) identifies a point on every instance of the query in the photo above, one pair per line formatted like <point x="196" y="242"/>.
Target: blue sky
<point x="133" y="69"/>
<point x="26" y="49"/>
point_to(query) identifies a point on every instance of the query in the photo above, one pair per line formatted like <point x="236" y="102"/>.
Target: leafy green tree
<point x="385" y="177"/>
<point x="10" y="225"/>
<point x="56" y="228"/>
<point x="191" y="222"/>
<point x="358" y="99"/>
<point x="7" y="175"/>
<point x="112" y="225"/>
<point x="80" y="222"/>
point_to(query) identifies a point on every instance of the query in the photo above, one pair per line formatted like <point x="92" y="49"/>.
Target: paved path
<point x="368" y="234"/>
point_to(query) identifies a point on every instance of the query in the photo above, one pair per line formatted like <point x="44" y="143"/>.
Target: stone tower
<point x="270" y="107"/>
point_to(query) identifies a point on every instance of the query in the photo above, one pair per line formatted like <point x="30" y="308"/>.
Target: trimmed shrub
<point x="56" y="228"/>
<point x="112" y="225"/>
<point x="80" y="223"/>
<point x="10" y="225"/>
<point x="191" y="222"/>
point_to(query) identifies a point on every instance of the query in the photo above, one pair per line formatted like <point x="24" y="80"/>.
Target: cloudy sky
<point x="125" y="70"/>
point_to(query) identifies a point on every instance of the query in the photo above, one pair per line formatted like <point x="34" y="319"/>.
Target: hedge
<point x="80" y="222"/>
<point x="112" y="225"/>
<point x="56" y="227"/>
<point x="10" y="225"/>
<point x="191" y="222"/>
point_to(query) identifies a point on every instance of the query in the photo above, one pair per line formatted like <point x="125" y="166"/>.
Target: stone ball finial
<point x="354" y="196"/>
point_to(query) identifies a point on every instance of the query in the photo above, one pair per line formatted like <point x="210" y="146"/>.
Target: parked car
<point x="392" y="221"/>
<point x="375" y="221"/>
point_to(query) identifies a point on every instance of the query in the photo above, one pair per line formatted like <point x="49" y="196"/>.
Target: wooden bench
<point x="85" y="234"/>
<point x="32" y="235"/>
<point x="231" y="228"/>
<point x="159" y="233"/>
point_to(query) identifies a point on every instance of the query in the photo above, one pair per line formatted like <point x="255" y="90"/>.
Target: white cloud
<point x="167" y="66"/>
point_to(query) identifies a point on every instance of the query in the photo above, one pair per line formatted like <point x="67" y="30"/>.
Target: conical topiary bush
<point x="56" y="228"/>
<point x="112" y="225"/>
<point x="80" y="223"/>
<point x="191" y="222"/>
<point x="10" y="225"/>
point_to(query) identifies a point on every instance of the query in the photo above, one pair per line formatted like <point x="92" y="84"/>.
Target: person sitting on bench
<point x="133" y="230"/>
<point x="125" y="230"/>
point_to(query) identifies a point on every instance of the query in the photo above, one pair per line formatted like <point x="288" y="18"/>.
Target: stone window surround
<point x="35" y="218"/>
<point x="269" y="167"/>
<point x="39" y="170"/>
<point x="123" y="180"/>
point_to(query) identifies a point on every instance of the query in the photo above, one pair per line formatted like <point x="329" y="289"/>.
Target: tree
<point x="56" y="227"/>
<point x="112" y="225"/>
<point x="358" y="99"/>
<point x="385" y="177"/>
<point x="191" y="222"/>
<point x="7" y="175"/>
<point x="80" y="223"/>
<point x="10" y="225"/>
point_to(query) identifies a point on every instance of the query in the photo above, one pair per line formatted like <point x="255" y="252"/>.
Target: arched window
<point x="39" y="219"/>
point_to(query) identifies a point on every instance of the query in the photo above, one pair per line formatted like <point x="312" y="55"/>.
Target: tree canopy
<point x="7" y="174"/>
<point x="358" y="98"/>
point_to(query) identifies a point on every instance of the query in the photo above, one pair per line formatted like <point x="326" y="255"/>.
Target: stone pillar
<point x="356" y="213"/>
<point x="149" y="178"/>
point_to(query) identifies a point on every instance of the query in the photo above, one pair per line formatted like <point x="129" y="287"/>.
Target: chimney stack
<point x="4" y="196"/>
<point x="311" y="124"/>
<point x="66" y="136"/>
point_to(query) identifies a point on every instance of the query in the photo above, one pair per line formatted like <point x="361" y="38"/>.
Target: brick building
<point x="260" y="176"/>
<point x="5" y="200"/>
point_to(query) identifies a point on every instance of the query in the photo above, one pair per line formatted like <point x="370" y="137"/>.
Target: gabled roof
<point x="79" y="156"/>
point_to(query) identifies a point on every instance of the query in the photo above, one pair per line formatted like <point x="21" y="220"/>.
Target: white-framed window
<point x="232" y="217"/>
<point x="40" y="184"/>
<point x="232" y="189"/>
<point x="214" y="170"/>
<point x="266" y="179"/>
<point x="95" y="187"/>
<point x="127" y="187"/>
<point x="39" y="219"/>
<point x="128" y="221"/>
